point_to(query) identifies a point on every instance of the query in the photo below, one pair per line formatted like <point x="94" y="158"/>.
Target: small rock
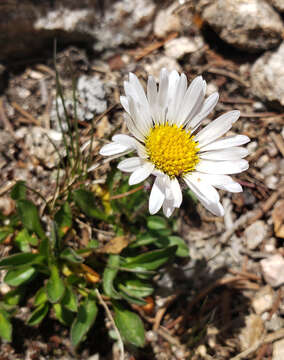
<point x="272" y="149"/>
<point x="252" y="332"/>
<point x="267" y="76"/>
<point x="166" y="21"/>
<point x="271" y="182"/>
<point x="273" y="270"/>
<point x="279" y="5"/>
<point x="270" y="245"/>
<point x="275" y="323"/>
<point x="263" y="160"/>
<point x="278" y="219"/>
<point x="163" y="61"/>
<point x="177" y="48"/>
<point x="255" y="234"/>
<point x="252" y="146"/>
<point x="278" y="350"/>
<point x="263" y="300"/>
<point x="249" y="25"/>
<point x="270" y="168"/>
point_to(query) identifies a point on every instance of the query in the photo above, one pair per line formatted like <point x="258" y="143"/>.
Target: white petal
<point x="202" y="187"/>
<point x="217" y="128"/>
<point x="176" y="101"/>
<point x="131" y="143"/>
<point x="222" y="182"/>
<point x="192" y="101"/>
<point x="157" y="196"/>
<point x="162" y="97"/>
<point x="141" y="173"/>
<point x="152" y="93"/>
<point x="222" y="167"/>
<point x="137" y="117"/>
<point x="176" y="192"/>
<point x="124" y="103"/>
<point x="206" y="109"/>
<point x="226" y="142"/>
<point x="130" y="164"/>
<point x="139" y="91"/>
<point x="113" y="149"/>
<point x="133" y="128"/>
<point x="233" y="153"/>
<point x="168" y="208"/>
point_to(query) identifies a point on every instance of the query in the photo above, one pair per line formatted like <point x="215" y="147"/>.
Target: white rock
<point x="255" y="234"/>
<point x="252" y="25"/>
<point x="273" y="270"/>
<point x="275" y="323"/>
<point x="279" y="4"/>
<point x="267" y="76"/>
<point x="163" y="61"/>
<point x="270" y="168"/>
<point x="278" y="350"/>
<point x="177" y="48"/>
<point x="252" y="332"/>
<point x="166" y="21"/>
<point x="263" y="300"/>
<point x="271" y="182"/>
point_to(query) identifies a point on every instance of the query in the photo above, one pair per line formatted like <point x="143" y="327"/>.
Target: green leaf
<point x="109" y="275"/>
<point x="136" y="288"/>
<point x="24" y="239"/>
<point x="129" y="325"/>
<point x="55" y="286"/>
<point x="150" y="260"/>
<point x="38" y="314"/>
<point x="19" y="191"/>
<point x="129" y="298"/>
<point x="20" y="260"/>
<point x="40" y="297"/>
<point x="86" y="316"/>
<point x="142" y="240"/>
<point x="69" y="299"/>
<point x="13" y="297"/>
<point x="182" y="248"/>
<point x="86" y="201"/>
<point x="4" y="232"/>
<point x="63" y="218"/>
<point x="29" y="217"/>
<point x="19" y="276"/>
<point x="70" y="255"/>
<point x="5" y="326"/>
<point x="63" y="315"/>
<point x="156" y="223"/>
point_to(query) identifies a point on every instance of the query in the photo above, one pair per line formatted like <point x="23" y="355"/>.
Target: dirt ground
<point x="226" y="301"/>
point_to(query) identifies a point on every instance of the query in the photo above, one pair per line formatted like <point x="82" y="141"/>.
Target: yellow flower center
<point x="172" y="149"/>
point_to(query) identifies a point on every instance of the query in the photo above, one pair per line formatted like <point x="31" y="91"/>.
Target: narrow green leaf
<point x="19" y="276"/>
<point x="63" y="315"/>
<point x="156" y="223"/>
<point x="70" y="255"/>
<point x="38" y="314"/>
<point x="86" y="201"/>
<point x="129" y="298"/>
<point x="129" y="325"/>
<point x="40" y="297"/>
<point x="86" y="316"/>
<point x="29" y="217"/>
<point x="109" y="275"/>
<point x="5" y="326"/>
<point x="69" y="299"/>
<point x="55" y="286"/>
<point x="150" y="260"/>
<point x="182" y="248"/>
<point x="23" y="240"/>
<point x="136" y="288"/>
<point x="20" y="260"/>
<point x="19" y="191"/>
<point x="63" y="218"/>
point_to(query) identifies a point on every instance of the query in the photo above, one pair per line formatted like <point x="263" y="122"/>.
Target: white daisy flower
<point x="164" y="124"/>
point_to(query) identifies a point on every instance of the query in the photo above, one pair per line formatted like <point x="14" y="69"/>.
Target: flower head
<point x="164" y="126"/>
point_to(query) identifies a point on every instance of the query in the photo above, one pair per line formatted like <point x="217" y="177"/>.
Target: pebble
<point x="278" y="350"/>
<point x="275" y="323"/>
<point x="252" y="146"/>
<point x="236" y="20"/>
<point x="272" y="149"/>
<point x="166" y="21"/>
<point x="179" y="47"/>
<point x="263" y="300"/>
<point x="279" y="5"/>
<point x="271" y="182"/>
<point x="255" y="234"/>
<point x="270" y="245"/>
<point x="267" y="76"/>
<point x="273" y="270"/>
<point x="270" y="168"/>
<point x="263" y="160"/>
<point x="252" y="332"/>
<point x="163" y="61"/>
